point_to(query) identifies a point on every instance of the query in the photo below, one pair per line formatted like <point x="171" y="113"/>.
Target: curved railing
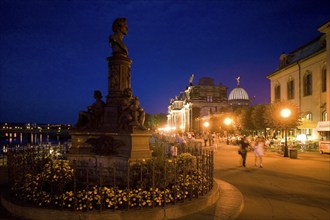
<point x="41" y="176"/>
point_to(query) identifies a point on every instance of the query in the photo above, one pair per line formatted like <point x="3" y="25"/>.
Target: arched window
<point x="309" y="116"/>
<point x="277" y="92"/>
<point x="324" y="80"/>
<point x="324" y="116"/>
<point x="290" y="88"/>
<point x="308" y="87"/>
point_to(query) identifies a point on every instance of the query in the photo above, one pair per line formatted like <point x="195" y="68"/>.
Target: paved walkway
<point x="285" y="189"/>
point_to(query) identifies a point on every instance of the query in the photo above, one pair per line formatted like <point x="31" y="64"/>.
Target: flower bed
<point x="151" y="183"/>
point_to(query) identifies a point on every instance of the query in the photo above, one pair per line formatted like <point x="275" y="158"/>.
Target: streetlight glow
<point x="228" y="121"/>
<point x="206" y="124"/>
<point x="285" y="113"/>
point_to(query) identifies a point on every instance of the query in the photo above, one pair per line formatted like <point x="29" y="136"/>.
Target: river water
<point x="23" y="139"/>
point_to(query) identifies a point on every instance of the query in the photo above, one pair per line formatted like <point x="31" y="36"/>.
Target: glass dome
<point x="238" y="94"/>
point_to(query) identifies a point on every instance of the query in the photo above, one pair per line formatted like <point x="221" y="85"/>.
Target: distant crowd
<point x="173" y="141"/>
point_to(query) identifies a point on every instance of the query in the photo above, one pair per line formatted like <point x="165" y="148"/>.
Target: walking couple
<point x="258" y="148"/>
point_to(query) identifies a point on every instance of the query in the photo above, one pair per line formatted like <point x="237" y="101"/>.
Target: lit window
<point x="309" y="116"/>
<point x="324" y="116"/>
<point x="209" y="98"/>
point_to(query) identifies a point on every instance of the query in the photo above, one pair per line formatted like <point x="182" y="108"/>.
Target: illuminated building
<point x="303" y="78"/>
<point x="197" y="103"/>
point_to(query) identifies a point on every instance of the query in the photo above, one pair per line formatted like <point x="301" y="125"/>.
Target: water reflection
<point x="24" y="139"/>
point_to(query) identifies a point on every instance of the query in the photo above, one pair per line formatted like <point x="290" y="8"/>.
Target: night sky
<point x="53" y="52"/>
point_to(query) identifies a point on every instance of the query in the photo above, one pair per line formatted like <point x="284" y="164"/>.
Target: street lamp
<point x="227" y="122"/>
<point x="206" y="124"/>
<point x="286" y="113"/>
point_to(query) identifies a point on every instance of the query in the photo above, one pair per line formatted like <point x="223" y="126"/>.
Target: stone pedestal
<point x="111" y="115"/>
<point x="119" y="78"/>
<point x="92" y="144"/>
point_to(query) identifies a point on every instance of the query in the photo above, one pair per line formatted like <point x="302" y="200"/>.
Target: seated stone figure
<point x="137" y="113"/>
<point x="131" y="115"/>
<point x="93" y="117"/>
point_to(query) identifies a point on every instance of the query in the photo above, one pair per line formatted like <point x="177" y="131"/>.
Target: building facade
<point x="197" y="103"/>
<point x="303" y="78"/>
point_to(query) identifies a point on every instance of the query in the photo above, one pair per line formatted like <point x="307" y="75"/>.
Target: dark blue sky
<point x="53" y="52"/>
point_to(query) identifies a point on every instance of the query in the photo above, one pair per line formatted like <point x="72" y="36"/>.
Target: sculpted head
<point x="97" y="94"/>
<point x="120" y="26"/>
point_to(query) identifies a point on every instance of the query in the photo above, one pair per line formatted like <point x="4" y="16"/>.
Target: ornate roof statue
<point x="120" y="29"/>
<point x="191" y="79"/>
<point x="238" y="80"/>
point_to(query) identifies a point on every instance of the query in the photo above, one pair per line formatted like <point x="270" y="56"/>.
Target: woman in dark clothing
<point x="243" y="150"/>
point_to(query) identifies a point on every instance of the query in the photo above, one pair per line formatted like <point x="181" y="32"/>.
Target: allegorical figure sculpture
<point x="93" y="117"/>
<point x="120" y="29"/>
<point x="238" y="79"/>
<point x="131" y="114"/>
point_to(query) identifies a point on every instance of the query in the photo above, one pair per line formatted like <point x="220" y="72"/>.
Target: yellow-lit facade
<point x="197" y="102"/>
<point x="303" y="78"/>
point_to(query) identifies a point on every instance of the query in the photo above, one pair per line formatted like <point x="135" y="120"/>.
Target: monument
<point x="112" y="131"/>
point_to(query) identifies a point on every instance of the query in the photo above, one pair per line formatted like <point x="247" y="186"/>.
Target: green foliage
<point x="185" y="160"/>
<point x="154" y="121"/>
<point x="57" y="172"/>
<point x="257" y="116"/>
<point x="274" y="119"/>
<point x="175" y="180"/>
<point x="245" y="119"/>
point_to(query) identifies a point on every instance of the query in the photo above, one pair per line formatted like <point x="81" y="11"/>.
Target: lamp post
<point x="227" y="122"/>
<point x="285" y="113"/>
<point x="206" y="124"/>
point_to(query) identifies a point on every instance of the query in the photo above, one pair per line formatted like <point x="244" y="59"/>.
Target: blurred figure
<point x="206" y="138"/>
<point x="243" y="150"/>
<point x="216" y="142"/>
<point x="174" y="151"/>
<point x="259" y="152"/>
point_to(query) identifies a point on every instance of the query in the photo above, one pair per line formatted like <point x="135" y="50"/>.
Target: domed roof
<point x="238" y="93"/>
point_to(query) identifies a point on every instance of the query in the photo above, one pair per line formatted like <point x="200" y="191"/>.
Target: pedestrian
<point x="205" y="137"/>
<point x="216" y="141"/>
<point x="244" y="146"/>
<point x="174" y="151"/>
<point x="210" y="138"/>
<point x="259" y="152"/>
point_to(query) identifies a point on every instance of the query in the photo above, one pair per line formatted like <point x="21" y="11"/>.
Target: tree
<point x="257" y="117"/>
<point x="154" y="121"/>
<point x="245" y="120"/>
<point x="274" y="119"/>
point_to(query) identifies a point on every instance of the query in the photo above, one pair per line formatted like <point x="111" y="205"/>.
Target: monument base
<point x="106" y="144"/>
<point x="103" y="151"/>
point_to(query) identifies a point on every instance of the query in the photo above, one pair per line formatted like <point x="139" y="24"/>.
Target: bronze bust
<point x="120" y="29"/>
